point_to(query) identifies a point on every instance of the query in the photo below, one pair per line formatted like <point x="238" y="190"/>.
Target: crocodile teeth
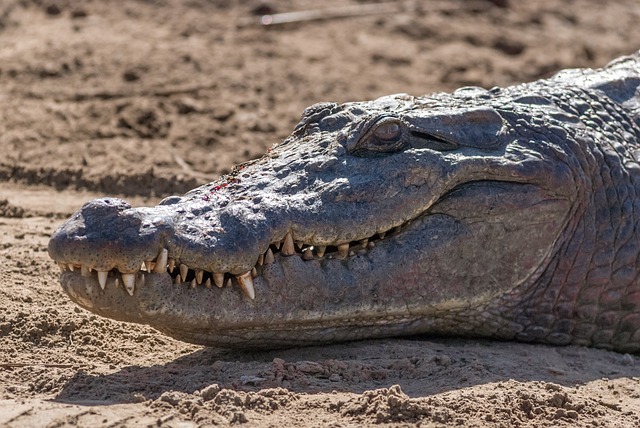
<point x="218" y="279"/>
<point x="172" y="265"/>
<point x="207" y="284"/>
<point x="364" y="242"/>
<point x="141" y="280"/>
<point x="199" y="273"/>
<point x="308" y="254"/>
<point x="288" y="248"/>
<point x="268" y="257"/>
<point x="71" y="267"/>
<point x="254" y="272"/>
<point x="382" y="235"/>
<point x="246" y="284"/>
<point x="176" y="280"/>
<point x="343" y="249"/>
<point x="299" y="245"/>
<point x="193" y="283"/>
<point x="320" y="250"/>
<point x="260" y="261"/>
<point x="228" y="284"/>
<point x="184" y="270"/>
<point x="161" y="261"/>
<point x="129" y="281"/>
<point x="102" y="278"/>
<point x="117" y="283"/>
<point x="85" y="270"/>
<point x="148" y="265"/>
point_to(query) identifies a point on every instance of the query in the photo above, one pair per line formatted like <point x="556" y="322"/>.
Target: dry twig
<point x="59" y="366"/>
<point x="361" y="10"/>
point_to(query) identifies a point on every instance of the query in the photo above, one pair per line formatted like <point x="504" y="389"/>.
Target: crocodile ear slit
<point x="478" y="127"/>
<point x="420" y="139"/>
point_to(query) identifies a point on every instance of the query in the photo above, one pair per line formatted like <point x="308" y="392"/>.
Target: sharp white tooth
<point x="63" y="267"/>
<point x="268" y="257"/>
<point x="193" y="283"/>
<point x="320" y="250"/>
<point x="199" y="274"/>
<point x="343" y="249"/>
<point x="176" y="280"/>
<point x="382" y="235"/>
<point x="308" y="254"/>
<point x="148" y="264"/>
<point x="351" y="253"/>
<point x="71" y="267"/>
<point x="117" y="282"/>
<point x="161" y="261"/>
<point x="85" y="270"/>
<point x="102" y="278"/>
<point x="207" y="283"/>
<point x="278" y="244"/>
<point x="218" y="279"/>
<point x="143" y="266"/>
<point x="246" y="284"/>
<point x="172" y="264"/>
<point x="254" y="272"/>
<point x="260" y="260"/>
<point x="364" y="242"/>
<point x="229" y="283"/>
<point x="129" y="281"/>
<point x="287" y="248"/>
<point x="184" y="270"/>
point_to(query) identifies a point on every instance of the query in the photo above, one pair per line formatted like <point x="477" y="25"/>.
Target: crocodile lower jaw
<point x="184" y="275"/>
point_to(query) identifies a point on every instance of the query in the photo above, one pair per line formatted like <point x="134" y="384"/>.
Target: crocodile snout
<point x="108" y="234"/>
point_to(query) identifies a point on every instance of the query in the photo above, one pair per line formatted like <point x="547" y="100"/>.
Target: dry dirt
<point x="145" y="98"/>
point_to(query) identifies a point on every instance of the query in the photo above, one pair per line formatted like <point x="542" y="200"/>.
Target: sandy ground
<point x="145" y="98"/>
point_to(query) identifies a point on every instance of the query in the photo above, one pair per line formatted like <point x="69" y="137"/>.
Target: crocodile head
<point x="394" y="216"/>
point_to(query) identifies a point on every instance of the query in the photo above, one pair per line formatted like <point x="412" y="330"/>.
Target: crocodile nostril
<point x="170" y="200"/>
<point x="104" y="206"/>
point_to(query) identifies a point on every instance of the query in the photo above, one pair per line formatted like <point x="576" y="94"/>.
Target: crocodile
<point x="505" y="213"/>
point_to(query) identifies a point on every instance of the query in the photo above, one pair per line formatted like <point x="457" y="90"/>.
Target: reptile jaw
<point x="194" y="277"/>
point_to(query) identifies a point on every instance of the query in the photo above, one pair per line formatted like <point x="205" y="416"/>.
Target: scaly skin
<point x="510" y="213"/>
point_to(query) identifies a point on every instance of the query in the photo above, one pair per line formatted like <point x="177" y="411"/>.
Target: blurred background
<point x="146" y="98"/>
<point x="150" y="98"/>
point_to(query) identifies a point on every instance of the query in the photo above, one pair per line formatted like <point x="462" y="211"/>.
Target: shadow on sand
<point x="421" y="368"/>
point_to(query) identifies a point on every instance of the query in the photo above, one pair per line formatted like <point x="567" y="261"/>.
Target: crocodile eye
<point x="386" y="136"/>
<point x="387" y="131"/>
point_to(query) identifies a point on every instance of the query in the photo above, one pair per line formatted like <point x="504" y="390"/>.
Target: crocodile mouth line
<point x="184" y="275"/>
